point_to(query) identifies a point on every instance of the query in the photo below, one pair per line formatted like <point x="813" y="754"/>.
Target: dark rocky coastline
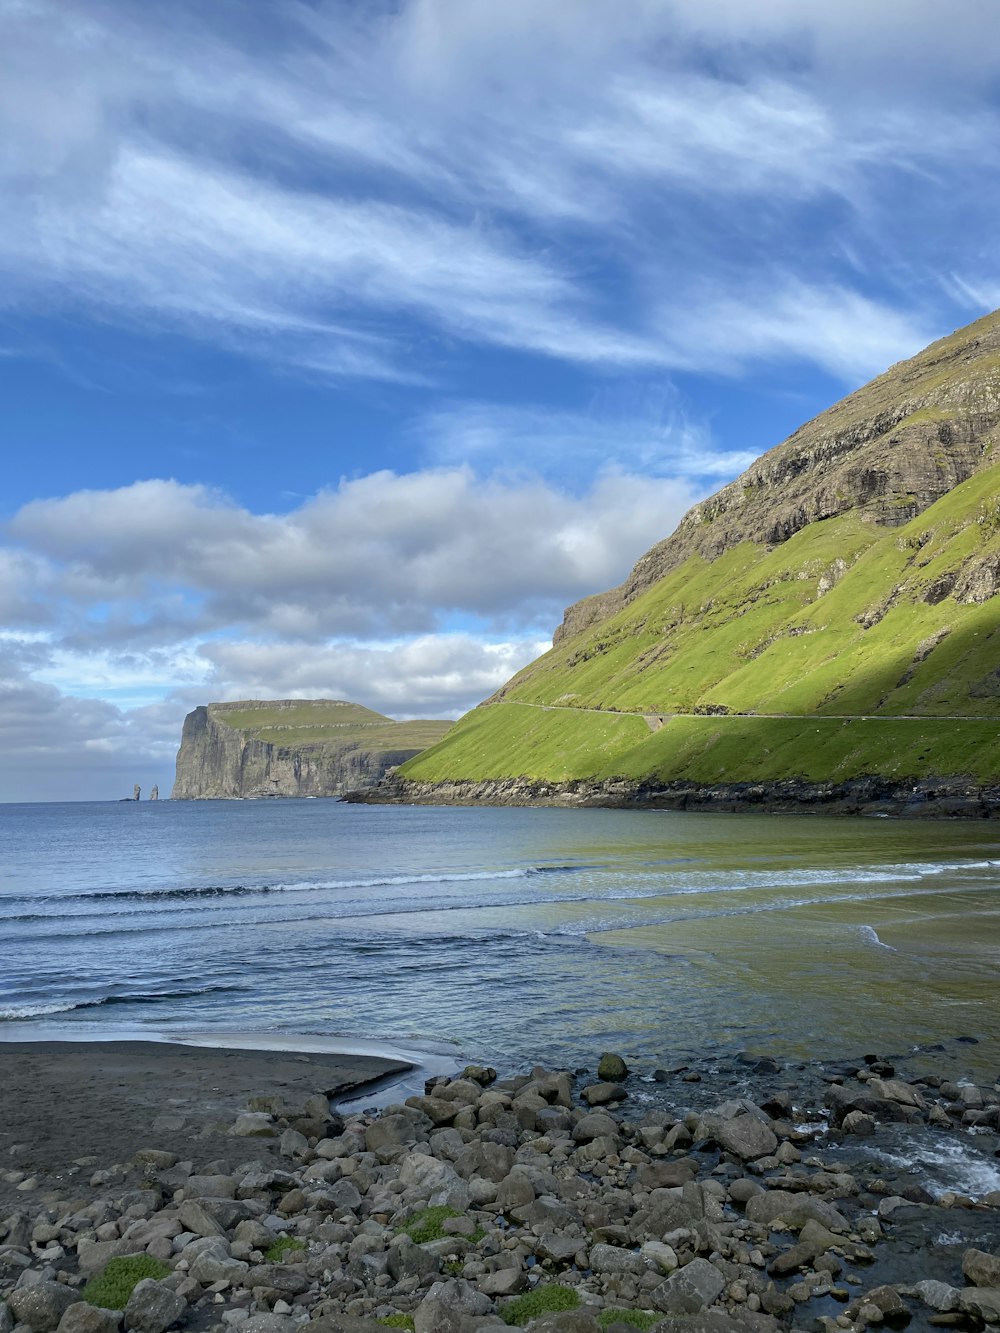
<point x="925" y="798"/>
<point x="711" y="1199"/>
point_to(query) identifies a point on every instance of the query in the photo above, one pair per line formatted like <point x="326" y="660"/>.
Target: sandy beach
<point x="64" y="1100"/>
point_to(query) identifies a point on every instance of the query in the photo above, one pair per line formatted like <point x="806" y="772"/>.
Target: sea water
<point x="509" y="935"/>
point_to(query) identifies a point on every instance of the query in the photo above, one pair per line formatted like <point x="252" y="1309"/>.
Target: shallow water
<point x="514" y="934"/>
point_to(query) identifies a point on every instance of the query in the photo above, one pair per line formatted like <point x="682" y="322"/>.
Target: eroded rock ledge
<point x="926" y="798"/>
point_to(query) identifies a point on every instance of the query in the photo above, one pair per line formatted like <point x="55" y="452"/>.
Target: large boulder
<point x="594" y="1126"/>
<point x="447" y="1305"/>
<point x="85" y="1318"/>
<point x="407" y="1259"/>
<point x="690" y="1289"/>
<point x="746" y="1137"/>
<point x="611" y="1068"/>
<point x="42" y="1306"/>
<point x="796" y="1210"/>
<point x="153" y="1308"/>
<point x="981" y="1269"/>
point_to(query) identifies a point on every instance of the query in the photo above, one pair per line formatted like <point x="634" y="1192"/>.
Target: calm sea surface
<point x="512" y="934"/>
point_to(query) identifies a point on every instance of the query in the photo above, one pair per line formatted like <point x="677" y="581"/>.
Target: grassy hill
<point x="296" y="723"/>
<point x="831" y="614"/>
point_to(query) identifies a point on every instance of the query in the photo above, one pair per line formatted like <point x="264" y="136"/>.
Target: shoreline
<point x="871" y="797"/>
<point x="752" y="1194"/>
<point x="84" y="1095"/>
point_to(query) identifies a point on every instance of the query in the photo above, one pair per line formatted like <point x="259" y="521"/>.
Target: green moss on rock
<point x="113" y="1286"/>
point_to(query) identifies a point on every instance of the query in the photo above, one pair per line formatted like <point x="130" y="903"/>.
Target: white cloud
<point x="380" y="554"/>
<point x="352" y="192"/>
<point x="791" y="320"/>
<point x="61" y="747"/>
<point x="140" y="602"/>
<point x="639" y="435"/>
<point x="441" y="675"/>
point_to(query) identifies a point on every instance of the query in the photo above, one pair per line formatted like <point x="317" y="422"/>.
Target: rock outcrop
<point x="293" y="747"/>
<point x="888" y="451"/>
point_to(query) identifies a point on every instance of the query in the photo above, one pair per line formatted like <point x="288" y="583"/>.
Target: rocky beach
<point x="155" y="1188"/>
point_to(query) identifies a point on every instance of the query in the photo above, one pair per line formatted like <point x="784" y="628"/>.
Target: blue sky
<point x="343" y="345"/>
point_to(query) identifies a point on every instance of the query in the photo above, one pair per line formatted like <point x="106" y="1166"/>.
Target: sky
<point x="342" y="345"/>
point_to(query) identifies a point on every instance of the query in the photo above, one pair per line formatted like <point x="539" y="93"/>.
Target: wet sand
<point x="61" y="1101"/>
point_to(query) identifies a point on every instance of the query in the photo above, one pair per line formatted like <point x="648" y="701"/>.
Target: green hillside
<point x="867" y="642"/>
<point x="307" y="722"/>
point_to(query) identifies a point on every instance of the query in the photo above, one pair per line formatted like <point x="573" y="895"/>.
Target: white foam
<point x="871" y="934"/>
<point x="34" y="1010"/>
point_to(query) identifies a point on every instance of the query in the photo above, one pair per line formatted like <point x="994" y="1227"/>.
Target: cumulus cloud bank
<point x="418" y="594"/>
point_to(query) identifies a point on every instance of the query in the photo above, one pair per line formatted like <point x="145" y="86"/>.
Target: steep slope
<point x="291" y="747"/>
<point x="829" y="616"/>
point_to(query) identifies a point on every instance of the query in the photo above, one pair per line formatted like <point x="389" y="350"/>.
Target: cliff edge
<point x="291" y="747"/>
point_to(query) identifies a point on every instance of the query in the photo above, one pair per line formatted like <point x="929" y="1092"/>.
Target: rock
<point x="789" y="1261"/>
<point x="594" y="1126"/>
<point x="407" y="1259"/>
<point x="289" y="1279"/>
<point x="601" y="1094"/>
<point x="662" y="1257"/>
<point x="254" y="1125"/>
<point x="612" y="1259"/>
<point x="293" y="1144"/>
<point x="981" y="1269"/>
<point x="156" y="1158"/>
<point x="438" y="1109"/>
<point x="389" y="1131"/>
<point x="565" y="1321"/>
<point x="340" y="1323"/>
<point x="690" y="1289"/>
<point x="447" y="1304"/>
<point x="895" y="1091"/>
<point x="153" y="1308"/>
<point x="611" y="1068"/>
<point x="745" y="1136"/>
<point x="504" y="1282"/>
<point x="344" y="1195"/>
<point x="560" y="1249"/>
<point x="795" y="1209"/>
<point x="435" y="1180"/>
<point x="890" y="1305"/>
<point x="210" y="1266"/>
<point x="41" y="1306"/>
<point x="92" y="1255"/>
<point x="664" y="1175"/>
<point x="716" y="1321"/>
<point x="938" y="1295"/>
<point x="983" y="1302"/>
<point x="195" y="1217"/>
<point x="85" y="1318"/>
<point x="743" y="1190"/>
<point x="210" y="1187"/>
<point x="6" y="1318"/>
<point x="269" y="1323"/>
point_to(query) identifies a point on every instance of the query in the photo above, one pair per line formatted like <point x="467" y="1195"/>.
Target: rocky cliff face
<point x="247" y="750"/>
<point x="831" y="617"/>
<point x="888" y="452"/>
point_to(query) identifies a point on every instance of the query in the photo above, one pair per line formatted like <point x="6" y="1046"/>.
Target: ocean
<point x="506" y="935"/>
